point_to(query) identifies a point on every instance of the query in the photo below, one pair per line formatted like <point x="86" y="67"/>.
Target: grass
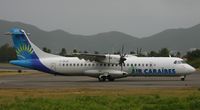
<point x="104" y="103"/>
<point x="100" y="99"/>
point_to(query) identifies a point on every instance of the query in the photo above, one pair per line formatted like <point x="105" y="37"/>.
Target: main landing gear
<point x="183" y="78"/>
<point x="103" y="78"/>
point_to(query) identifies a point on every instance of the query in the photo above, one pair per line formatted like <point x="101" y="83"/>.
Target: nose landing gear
<point x="183" y="78"/>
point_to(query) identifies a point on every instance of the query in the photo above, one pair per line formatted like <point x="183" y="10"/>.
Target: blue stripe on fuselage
<point x="32" y="64"/>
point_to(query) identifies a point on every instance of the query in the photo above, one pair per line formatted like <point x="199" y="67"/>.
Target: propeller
<point x="122" y="58"/>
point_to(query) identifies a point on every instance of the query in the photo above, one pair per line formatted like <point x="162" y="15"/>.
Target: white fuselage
<point x="134" y="66"/>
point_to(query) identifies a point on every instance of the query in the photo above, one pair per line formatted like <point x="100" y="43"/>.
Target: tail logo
<point x="24" y="51"/>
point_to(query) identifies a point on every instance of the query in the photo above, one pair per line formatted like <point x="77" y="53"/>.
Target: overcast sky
<point x="139" y="18"/>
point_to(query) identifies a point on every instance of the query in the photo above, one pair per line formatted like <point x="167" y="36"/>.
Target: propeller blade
<point x="122" y="52"/>
<point x="122" y="58"/>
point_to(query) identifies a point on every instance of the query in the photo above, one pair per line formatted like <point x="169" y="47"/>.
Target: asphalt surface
<point x="12" y="67"/>
<point x="44" y="80"/>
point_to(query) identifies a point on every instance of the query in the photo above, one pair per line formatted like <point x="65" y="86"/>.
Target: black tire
<point x="19" y="71"/>
<point x="102" y="79"/>
<point x="182" y="79"/>
<point x="110" y="78"/>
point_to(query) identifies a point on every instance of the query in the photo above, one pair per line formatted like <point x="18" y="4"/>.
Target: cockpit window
<point x="175" y="62"/>
<point x="179" y="62"/>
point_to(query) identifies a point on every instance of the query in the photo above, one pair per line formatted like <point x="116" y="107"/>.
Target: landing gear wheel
<point x="183" y="78"/>
<point x="110" y="78"/>
<point x="19" y="71"/>
<point x="102" y="79"/>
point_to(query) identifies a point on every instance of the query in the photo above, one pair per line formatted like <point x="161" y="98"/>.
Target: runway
<point x="43" y="80"/>
<point x="12" y="67"/>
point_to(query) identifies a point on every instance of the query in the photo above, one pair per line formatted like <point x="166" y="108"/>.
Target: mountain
<point x="175" y="39"/>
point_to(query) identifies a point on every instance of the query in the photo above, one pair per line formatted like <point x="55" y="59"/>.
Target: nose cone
<point x="191" y="69"/>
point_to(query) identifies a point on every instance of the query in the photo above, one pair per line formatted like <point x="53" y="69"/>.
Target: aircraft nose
<point x="191" y="69"/>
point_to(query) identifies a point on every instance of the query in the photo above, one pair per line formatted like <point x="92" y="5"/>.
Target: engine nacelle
<point x="112" y="59"/>
<point x="113" y="73"/>
<point x="117" y="74"/>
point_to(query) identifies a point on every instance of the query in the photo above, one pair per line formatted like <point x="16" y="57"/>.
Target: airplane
<point x="102" y="66"/>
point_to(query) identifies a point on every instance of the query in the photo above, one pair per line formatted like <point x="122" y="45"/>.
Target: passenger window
<point x="66" y="64"/>
<point x="135" y="64"/>
<point x="142" y="64"/>
<point x="146" y="64"/>
<point x="104" y="64"/>
<point x="81" y="64"/>
<point x="74" y="64"/>
<point x="175" y="62"/>
<point x="86" y="64"/>
<point x="63" y="64"/>
<point x="138" y="64"/>
<point x="127" y="64"/>
<point x="116" y="64"/>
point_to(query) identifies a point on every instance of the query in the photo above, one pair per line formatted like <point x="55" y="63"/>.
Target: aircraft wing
<point x="90" y="57"/>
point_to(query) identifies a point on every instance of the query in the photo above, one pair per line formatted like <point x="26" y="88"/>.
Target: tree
<point x="7" y="53"/>
<point x="96" y="52"/>
<point x="46" y="50"/>
<point x="85" y="51"/>
<point x="193" y="58"/>
<point x="117" y="53"/>
<point x="132" y="52"/>
<point x="164" y="52"/>
<point x="192" y="55"/>
<point x="63" y="52"/>
<point x="153" y="54"/>
<point x="139" y="51"/>
<point x="75" y="51"/>
<point x="178" y="54"/>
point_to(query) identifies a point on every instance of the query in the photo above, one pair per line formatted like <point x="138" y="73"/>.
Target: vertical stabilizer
<point x="22" y="45"/>
<point x="28" y="55"/>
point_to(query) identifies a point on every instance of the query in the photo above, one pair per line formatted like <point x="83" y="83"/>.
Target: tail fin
<point x="22" y="44"/>
<point x="28" y="54"/>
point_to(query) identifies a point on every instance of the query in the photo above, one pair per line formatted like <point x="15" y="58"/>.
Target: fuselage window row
<point x="105" y="65"/>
